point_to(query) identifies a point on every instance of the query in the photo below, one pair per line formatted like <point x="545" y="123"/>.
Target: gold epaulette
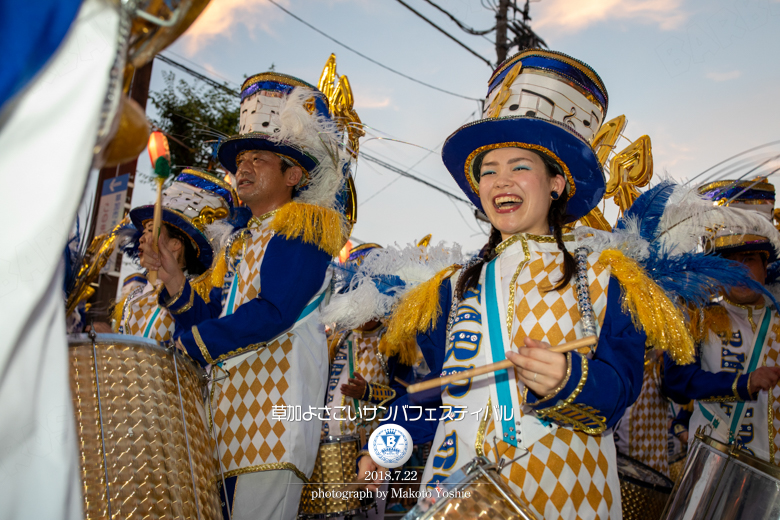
<point x="416" y="313"/>
<point x="326" y="228"/>
<point x="204" y="283"/>
<point x="650" y="308"/>
<point x="713" y="318"/>
<point x="333" y="343"/>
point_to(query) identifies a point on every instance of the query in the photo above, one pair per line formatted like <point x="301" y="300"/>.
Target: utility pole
<point x="108" y="282"/>
<point x="502" y="46"/>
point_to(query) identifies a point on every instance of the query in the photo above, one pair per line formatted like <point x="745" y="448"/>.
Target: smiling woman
<point x="529" y="166"/>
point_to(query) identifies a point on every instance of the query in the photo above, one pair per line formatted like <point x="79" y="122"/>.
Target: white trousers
<point x="267" y="495"/>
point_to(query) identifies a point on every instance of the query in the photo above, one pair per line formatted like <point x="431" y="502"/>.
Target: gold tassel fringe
<point x="116" y="314"/>
<point x="714" y="318"/>
<point x="650" y="308"/>
<point x="205" y="282"/>
<point x="416" y="313"/>
<point x="316" y="225"/>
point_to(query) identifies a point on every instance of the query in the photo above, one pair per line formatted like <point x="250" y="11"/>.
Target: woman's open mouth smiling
<point x="506" y="203"/>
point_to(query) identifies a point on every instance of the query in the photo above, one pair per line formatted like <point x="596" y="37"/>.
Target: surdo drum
<point x="144" y="446"/>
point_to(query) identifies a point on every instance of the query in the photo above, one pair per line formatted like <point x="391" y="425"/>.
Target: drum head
<point x="637" y="473"/>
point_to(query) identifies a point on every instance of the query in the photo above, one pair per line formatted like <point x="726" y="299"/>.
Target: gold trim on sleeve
<point x="569" y="400"/>
<point x="202" y="346"/>
<point x="187" y="306"/>
<point x="560" y="387"/>
<point x="734" y="387"/>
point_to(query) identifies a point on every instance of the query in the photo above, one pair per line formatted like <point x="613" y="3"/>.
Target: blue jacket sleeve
<point x="685" y="382"/>
<point x="599" y="390"/>
<point x="291" y="274"/>
<point x="433" y="343"/>
<point x="188" y="308"/>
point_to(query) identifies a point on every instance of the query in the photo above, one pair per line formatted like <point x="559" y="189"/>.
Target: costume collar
<point x="745" y="311"/>
<point x="256" y="222"/>
<point x="529" y="242"/>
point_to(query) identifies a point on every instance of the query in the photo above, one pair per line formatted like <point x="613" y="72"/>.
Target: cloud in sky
<point x="724" y="76"/>
<point x="368" y="101"/>
<point x="222" y="16"/>
<point x="575" y="15"/>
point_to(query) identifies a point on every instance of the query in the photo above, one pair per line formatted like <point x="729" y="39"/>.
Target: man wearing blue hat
<point x="266" y="343"/>
<point x="734" y="380"/>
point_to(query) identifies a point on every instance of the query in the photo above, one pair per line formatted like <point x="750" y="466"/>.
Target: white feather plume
<point x="364" y="302"/>
<point x="688" y="221"/>
<point x="318" y="136"/>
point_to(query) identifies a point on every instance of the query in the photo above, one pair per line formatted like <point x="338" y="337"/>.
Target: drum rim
<point x="333" y="439"/>
<point x="642" y="483"/>
<point x="480" y="466"/>
<point x="740" y="455"/>
<point x="83" y="339"/>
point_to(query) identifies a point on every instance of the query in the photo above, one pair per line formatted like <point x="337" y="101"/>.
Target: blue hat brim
<point x="229" y="150"/>
<point x="585" y="176"/>
<point x="205" y="252"/>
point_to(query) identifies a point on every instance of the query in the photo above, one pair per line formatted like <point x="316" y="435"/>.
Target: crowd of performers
<point x="248" y="284"/>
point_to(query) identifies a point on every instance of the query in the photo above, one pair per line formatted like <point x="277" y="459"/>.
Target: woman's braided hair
<point x="556" y="218"/>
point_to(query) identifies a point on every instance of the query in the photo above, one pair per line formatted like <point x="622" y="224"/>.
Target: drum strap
<point x="497" y="350"/>
<point x="718" y="423"/>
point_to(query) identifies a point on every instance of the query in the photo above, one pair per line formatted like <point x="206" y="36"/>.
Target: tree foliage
<point x="194" y="116"/>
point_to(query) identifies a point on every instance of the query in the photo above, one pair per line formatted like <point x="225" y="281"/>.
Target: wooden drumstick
<point x="494" y="367"/>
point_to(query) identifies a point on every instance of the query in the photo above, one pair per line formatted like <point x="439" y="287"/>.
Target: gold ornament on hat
<point x="629" y="170"/>
<point x="340" y="104"/>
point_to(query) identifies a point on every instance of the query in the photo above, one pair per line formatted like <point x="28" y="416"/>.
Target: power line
<point x="405" y="173"/>
<point x="466" y="28"/>
<point x="448" y="35"/>
<point x="334" y="40"/>
<point x="198" y="75"/>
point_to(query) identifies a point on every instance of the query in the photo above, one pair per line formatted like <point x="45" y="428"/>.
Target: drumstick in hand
<point x="494" y="367"/>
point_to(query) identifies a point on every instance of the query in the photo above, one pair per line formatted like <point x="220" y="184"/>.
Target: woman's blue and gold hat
<point x="543" y="101"/>
<point x="193" y="201"/>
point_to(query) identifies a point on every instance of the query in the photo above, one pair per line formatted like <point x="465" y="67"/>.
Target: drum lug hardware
<point x="501" y="462"/>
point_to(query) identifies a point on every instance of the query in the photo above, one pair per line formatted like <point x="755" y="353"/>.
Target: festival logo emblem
<point x="390" y="446"/>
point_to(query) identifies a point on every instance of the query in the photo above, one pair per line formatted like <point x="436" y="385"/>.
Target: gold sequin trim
<point x="239" y="351"/>
<point x="761" y="186"/>
<point x="170" y="301"/>
<point x="272" y="466"/>
<point x="748" y="308"/>
<point x="202" y="346"/>
<point x="560" y="387"/>
<point x="569" y="400"/>
<point x="734" y="388"/>
<point x="279" y="78"/>
<point x="579" y="425"/>
<point x="479" y="444"/>
<point x="544" y="239"/>
<point x="187" y="306"/>
<point x="513" y="144"/>
<point x="258" y="221"/>
<point x="722" y="399"/>
<point x="577" y="64"/>
<point x="510" y="311"/>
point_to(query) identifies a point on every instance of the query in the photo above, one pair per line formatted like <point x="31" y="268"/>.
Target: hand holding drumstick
<point x="541" y="367"/>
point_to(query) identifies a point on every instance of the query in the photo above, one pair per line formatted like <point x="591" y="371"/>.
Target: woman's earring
<point x="554" y="195"/>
